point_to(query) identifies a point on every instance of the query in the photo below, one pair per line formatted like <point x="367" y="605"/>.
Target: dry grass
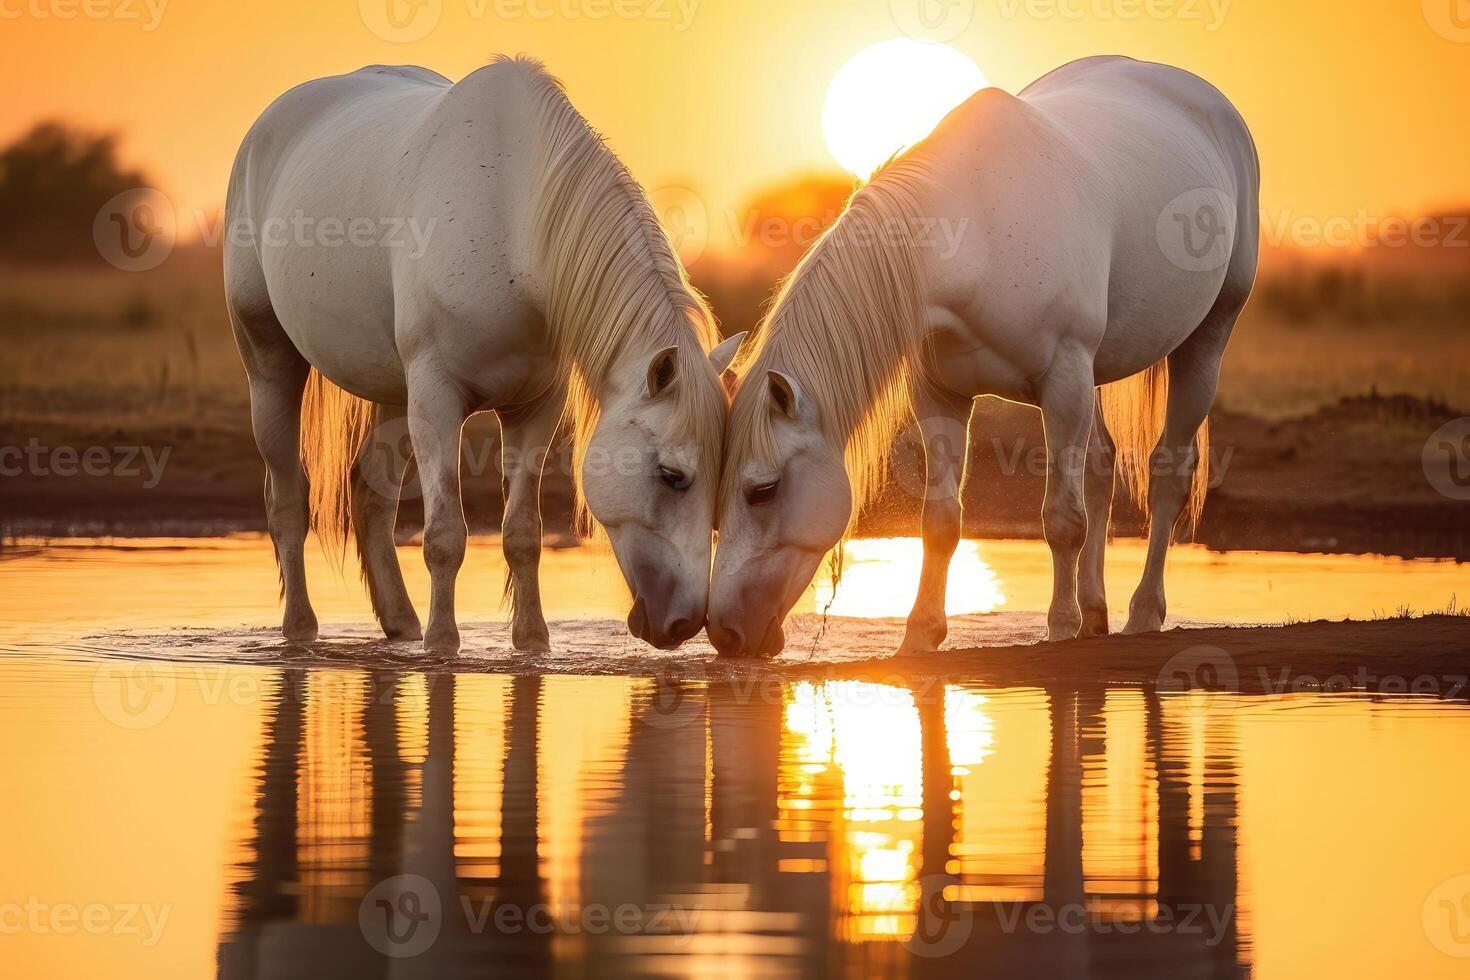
<point x="1277" y="367"/>
<point x="97" y="346"/>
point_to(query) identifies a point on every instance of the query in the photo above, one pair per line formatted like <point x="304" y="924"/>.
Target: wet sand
<point x="1426" y="657"/>
<point x="1429" y="656"/>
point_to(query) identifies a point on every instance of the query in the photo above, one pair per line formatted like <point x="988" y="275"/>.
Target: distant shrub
<point x="53" y="181"/>
<point x="1351" y="294"/>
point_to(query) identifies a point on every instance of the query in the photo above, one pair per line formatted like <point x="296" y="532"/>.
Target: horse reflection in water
<point x="440" y="826"/>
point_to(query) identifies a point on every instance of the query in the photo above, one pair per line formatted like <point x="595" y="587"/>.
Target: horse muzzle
<point x="664" y="629"/>
<point x="731" y="641"/>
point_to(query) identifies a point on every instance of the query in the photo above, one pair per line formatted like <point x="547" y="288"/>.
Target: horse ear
<point x="788" y="398"/>
<point x="663" y="371"/>
<point x="724" y="355"/>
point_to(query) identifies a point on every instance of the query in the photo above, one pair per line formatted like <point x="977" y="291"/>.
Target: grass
<point x="1277" y="367"/>
<point x="1407" y="612"/>
<point x="89" y="346"/>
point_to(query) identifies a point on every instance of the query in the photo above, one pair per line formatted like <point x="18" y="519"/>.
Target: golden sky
<point x="1357" y="106"/>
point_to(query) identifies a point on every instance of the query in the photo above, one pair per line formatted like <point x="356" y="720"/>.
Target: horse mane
<point x="611" y="278"/>
<point x="847" y="324"/>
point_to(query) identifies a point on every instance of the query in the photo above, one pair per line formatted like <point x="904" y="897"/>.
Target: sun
<point x="889" y="96"/>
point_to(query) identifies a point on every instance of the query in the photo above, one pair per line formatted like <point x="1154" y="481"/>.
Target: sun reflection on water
<point x="866" y="736"/>
<point x="880" y="576"/>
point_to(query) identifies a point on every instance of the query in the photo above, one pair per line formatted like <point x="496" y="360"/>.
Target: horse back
<point x="1175" y="185"/>
<point x="435" y="176"/>
<point x="1068" y="191"/>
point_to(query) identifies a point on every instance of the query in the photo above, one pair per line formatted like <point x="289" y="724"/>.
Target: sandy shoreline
<point x="1426" y="657"/>
<point x="1429" y="656"/>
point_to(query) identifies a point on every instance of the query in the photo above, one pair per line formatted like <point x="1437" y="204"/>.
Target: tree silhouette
<point x="53" y="181"/>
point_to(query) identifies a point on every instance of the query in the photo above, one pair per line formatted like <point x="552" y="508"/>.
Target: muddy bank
<point x="1428" y="657"/>
<point x="204" y="481"/>
<point x="1347" y="479"/>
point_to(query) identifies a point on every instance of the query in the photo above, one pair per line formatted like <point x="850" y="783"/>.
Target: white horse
<point x="1101" y="226"/>
<point x="438" y="249"/>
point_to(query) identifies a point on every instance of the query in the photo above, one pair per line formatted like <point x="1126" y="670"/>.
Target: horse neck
<point x="613" y="290"/>
<point x="614" y="354"/>
<point x="850" y="323"/>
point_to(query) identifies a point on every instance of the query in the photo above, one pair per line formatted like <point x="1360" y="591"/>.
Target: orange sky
<point x="1356" y="106"/>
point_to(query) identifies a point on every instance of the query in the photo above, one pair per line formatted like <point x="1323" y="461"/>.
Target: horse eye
<point x="763" y="494"/>
<point x="676" y="479"/>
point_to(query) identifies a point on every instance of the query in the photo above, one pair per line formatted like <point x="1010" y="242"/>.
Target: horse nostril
<point x="728" y="641"/>
<point x="682" y="629"/>
<point x="774" y="640"/>
<point x="638" y="620"/>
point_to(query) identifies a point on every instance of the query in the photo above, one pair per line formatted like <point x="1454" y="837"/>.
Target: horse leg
<point x="1067" y="404"/>
<point x="1194" y="372"/>
<point x="943" y="426"/>
<point x="377" y="476"/>
<point x="437" y="410"/>
<point x="1098" y="494"/>
<point x="277" y="375"/>
<point x="526" y="436"/>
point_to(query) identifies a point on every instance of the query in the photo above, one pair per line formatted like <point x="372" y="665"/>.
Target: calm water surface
<point x="200" y="801"/>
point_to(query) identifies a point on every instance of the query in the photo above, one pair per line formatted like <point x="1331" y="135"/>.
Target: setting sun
<point x="889" y="96"/>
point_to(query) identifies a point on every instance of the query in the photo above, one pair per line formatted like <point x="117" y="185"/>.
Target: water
<point x="207" y="800"/>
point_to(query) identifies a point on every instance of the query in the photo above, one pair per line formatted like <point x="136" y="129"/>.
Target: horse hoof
<point x="530" y="638"/>
<point x="1144" y="623"/>
<point x="914" y="645"/>
<point x="303" y="630"/>
<point x="1094" y="625"/>
<point x="403" y="631"/>
<point x="445" y="642"/>
<point x="1066" y="629"/>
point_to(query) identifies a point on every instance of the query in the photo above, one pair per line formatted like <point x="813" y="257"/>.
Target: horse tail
<point x="1133" y="411"/>
<point x="335" y="426"/>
